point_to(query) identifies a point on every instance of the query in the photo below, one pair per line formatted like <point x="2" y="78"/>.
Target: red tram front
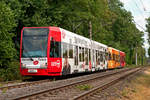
<point x="40" y="51"/>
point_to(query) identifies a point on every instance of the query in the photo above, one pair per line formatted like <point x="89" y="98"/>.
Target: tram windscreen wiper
<point x="31" y="58"/>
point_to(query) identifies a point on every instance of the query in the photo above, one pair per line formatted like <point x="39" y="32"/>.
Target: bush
<point x="10" y="73"/>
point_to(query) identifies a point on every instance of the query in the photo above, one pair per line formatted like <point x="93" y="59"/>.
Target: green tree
<point x="7" y="23"/>
<point x="148" y="28"/>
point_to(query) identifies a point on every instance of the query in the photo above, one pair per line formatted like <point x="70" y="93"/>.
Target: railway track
<point x="61" y="92"/>
<point x="94" y="93"/>
<point x="13" y="85"/>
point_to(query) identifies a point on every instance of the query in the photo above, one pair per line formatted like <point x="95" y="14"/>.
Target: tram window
<point x="109" y="56"/>
<point x="93" y="55"/>
<point x="70" y="51"/>
<point x="80" y="54"/>
<point x="86" y="56"/>
<point x="83" y="54"/>
<point x="113" y="56"/>
<point x="101" y="56"/>
<point x="118" y="58"/>
<point x="98" y="55"/>
<point x="106" y="56"/>
<point x="97" y="62"/>
<point x="89" y="54"/>
<point x="65" y="50"/>
<point x="55" y="49"/>
<point x="76" y="55"/>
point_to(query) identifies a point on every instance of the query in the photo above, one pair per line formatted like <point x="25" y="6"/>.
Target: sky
<point x="140" y="10"/>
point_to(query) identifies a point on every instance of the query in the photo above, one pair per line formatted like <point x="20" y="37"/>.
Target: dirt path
<point x="138" y="88"/>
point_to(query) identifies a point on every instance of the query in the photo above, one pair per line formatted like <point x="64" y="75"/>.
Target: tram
<point x="53" y="51"/>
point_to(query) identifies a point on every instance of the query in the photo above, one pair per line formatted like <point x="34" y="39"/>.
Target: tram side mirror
<point x="22" y="48"/>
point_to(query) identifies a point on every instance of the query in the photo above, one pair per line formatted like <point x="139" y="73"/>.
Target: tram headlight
<point x="44" y="65"/>
<point x="23" y="65"/>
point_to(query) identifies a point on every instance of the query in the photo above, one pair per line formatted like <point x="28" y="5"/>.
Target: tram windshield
<point x="34" y="42"/>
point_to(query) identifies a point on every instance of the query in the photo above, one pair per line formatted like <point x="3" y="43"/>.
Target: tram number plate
<point x="32" y="70"/>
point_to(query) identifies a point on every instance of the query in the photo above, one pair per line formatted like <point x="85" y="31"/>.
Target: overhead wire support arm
<point x="139" y="25"/>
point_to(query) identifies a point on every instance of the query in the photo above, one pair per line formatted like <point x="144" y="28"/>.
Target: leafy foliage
<point x="7" y="23"/>
<point x="11" y="73"/>
<point x="148" y="30"/>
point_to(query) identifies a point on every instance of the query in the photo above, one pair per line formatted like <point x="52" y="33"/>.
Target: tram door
<point x="70" y="57"/>
<point x="81" y="59"/>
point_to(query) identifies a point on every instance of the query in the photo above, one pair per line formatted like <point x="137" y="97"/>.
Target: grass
<point x="1" y="85"/>
<point x="84" y="87"/>
<point x="4" y="90"/>
<point x="18" y="81"/>
<point x="124" y="93"/>
<point x="54" y="79"/>
<point x="131" y="66"/>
